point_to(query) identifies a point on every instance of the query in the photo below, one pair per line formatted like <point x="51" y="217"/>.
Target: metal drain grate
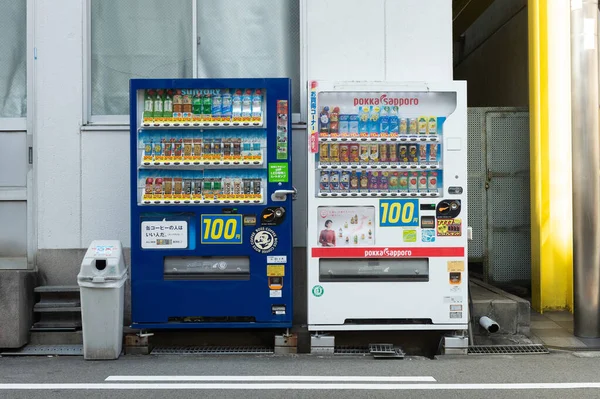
<point x="47" y="350"/>
<point x="351" y="350"/>
<point x="212" y="350"/>
<point x="531" y="349"/>
<point x="381" y="349"/>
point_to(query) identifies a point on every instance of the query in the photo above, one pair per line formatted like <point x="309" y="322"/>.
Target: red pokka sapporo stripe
<point x="388" y="252"/>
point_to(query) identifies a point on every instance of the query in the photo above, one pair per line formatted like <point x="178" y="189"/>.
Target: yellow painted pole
<point x="550" y="164"/>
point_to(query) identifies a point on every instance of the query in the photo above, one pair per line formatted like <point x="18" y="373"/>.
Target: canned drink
<point x="413" y="157"/>
<point x="403" y="153"/>
<point x="383" y="153"/>
<point x="354" y="181"/>
<point x="422" y="124"/>
<point x="364" y="153"/>
<point x="374" y="154"/>
<point x="345" y="182"/>
<point x="384" y="181"/>
<point x="217" y="150"/>
<point x="373" y="181"/>
<point x="197" y="150"/>
<point x="354" y="153"/>
<point x="334" y="152"/>
<point x="412" y="127"/>
<point x="413" y="179"/>
<point x="393" y="152"/>
<point x="433" y="150"/>
<point x="403" y="182"/>
<point x="227" y="148"/>
<point x="324" y="181"/>
<point x="432" y="125"/>
<point x="207" y="189"/>
<point x="403" y="127"/>
<point x="422" y="184"/>
<point x="247" y="187"/>
<point x="432" y="182"/>
<point x="423" y="153"/>
<point x="257" y="187"/>
<point x="344" y="153"/>
<point x="394" y="181"/>
<point x="334" y="181"/>
<point x="207" y="148"/>
<point x="364" y="182"/>
<point x="324" y="152"/>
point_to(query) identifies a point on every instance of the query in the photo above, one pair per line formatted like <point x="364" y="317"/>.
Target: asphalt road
<point x="557" y="375"/>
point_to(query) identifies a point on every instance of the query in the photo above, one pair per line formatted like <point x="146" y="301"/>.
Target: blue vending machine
<point x="211" y="203"/>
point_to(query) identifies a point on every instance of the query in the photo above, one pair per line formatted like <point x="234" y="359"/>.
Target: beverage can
<point x="393" y="150"/>
<point x="432" y="125"/>
<point x="403" y="154"/>
<point x="422" y="185"/>
<point x="334" y="153"/>
<point x="413" y="157"/>
<point x="422" y="153"/>
<point x="354" y="181"/>
<point x="432" y="182"/>
<point x="374" y="154"/>
<point x="373" y="181"/>
<point x="207" y="106"/>
<point x="324" y="181"/>
<point x="384" y="181"/>
<point x="345" y="182"/>
<point x="403" y="129"/>
<point x="412" y="127"/>
<point x="413" y="180"/>
<point x="354" y="153"/>
<point x="334" y="181"/>
<point x="344" y="153"/>
<point x="364" y="181"/>
<point x="433" y="152"/>
<point x="324" y="153"/>
<point x="394" y="181"/>
<point x="383" y="153"/>
<point x="403" y="182"/>
<point x="364" y="153"/>
<point x="422" y="125"/>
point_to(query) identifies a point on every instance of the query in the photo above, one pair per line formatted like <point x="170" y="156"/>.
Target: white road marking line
<point x="267" y="378"/>
<point x="296" y="386"/>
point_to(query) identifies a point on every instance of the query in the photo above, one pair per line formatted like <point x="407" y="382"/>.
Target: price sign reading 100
<point x="399" y="213"/>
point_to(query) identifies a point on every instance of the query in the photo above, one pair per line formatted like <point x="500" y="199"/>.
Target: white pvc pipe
<point x="489" y="324"/>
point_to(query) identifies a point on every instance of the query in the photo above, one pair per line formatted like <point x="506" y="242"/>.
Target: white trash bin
<point x="101" y="282"/>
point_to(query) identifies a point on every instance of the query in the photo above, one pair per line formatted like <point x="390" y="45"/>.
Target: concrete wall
<point x="82" y="172"/>
<point x="493" y="57"/>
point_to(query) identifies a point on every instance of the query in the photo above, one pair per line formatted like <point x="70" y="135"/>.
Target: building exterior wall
<point x="492" y="56"/>
<point x="82" y="174"/>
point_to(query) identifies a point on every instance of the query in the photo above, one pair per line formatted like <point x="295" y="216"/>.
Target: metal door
<point x="508" y="202"/>
<point x="499" y="203"/>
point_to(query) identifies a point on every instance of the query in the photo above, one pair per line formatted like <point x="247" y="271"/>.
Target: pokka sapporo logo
<point x="385" y="100"/>
<point x="324" y="214"/>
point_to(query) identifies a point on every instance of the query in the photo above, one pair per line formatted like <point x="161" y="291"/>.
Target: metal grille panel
<point x="476" y="180"/>
<point x="531" y="349"/>
<point x="47" y="350"/>
<point x="510" y="256"/>
<point x="508" y="201"/>
<point x="351" y="350"/>
<point x="212" y="350"/>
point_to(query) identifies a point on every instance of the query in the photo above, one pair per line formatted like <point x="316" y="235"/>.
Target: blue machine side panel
<point x="198" y="290"/>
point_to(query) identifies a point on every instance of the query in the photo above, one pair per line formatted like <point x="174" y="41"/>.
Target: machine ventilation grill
<point x="212" y="350"/>
<point x="531" y="349"/>
<point x="351" y="350"/>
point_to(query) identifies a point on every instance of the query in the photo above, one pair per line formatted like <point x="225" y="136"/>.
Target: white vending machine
<point x="387" y="209"/>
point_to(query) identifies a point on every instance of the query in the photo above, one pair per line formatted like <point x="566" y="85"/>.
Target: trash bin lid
<point x="103" y="262"/>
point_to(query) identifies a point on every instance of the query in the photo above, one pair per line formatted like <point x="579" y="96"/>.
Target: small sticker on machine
<point x="275" y="293"/>
<point x="456" y="315"/>
<point x="277" y="259"/>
